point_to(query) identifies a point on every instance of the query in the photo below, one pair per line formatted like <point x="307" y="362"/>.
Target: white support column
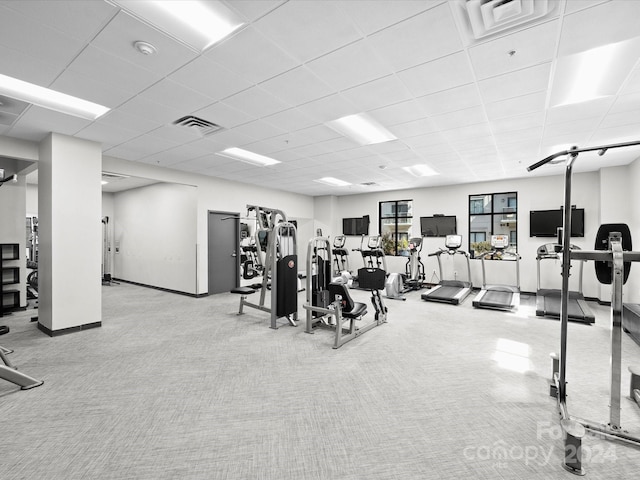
<point x="70" y="250"/>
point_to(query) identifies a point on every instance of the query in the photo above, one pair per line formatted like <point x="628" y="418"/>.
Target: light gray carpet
<point x="175" y="387"/>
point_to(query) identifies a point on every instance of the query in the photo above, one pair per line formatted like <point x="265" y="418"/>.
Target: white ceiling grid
<point x="471" y="110"/>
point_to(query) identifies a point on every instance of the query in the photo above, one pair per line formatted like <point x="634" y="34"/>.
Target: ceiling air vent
<point x="202" y="127"/>
<point x="487" y="17"/>
<point x="369" y="184"/>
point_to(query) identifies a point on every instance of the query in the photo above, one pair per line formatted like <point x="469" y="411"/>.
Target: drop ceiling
<point x="473" y="109"/>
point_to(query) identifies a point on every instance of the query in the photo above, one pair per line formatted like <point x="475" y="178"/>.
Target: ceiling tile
<point x="518" y="122"/>
<point x="349" y="66"/>
<point x="119" y="36"/>
<point x="209" y="78"/>
<point x="377" y="93"/>
<point x="515" y="84"/>
<point x="328" y="108"/>
<point x="602" y="24"/>
<point x="435" y="76"/>
<point x="253" y="9"/>
<point x="30" y="69"/>
<point x="533" y="102"/>
<point x="260" y="60"/>
<point x="81" y="86"/>
<point x="413" y="128"/>
<point x="419" y="39"/>
<point x="459" y="118"/>
<point x="42" y="42"/>
<point x="258" y="130"/>
<point x="80" y="20"/>
<point x="310" y="30"/>
<point x="373" y="15"/>
<point x="290" y="120"/>
<point x="457" y="98"/>
<point x="104" y="67"/>
<point x="173" y="95"/>
<point x="402" y="112"/>
<point x="224" y="115"/>
<point x="159" y="113"/>
<point x="297" y="86"/>
<point x="530" y="47"/>
<point x="256" y="102"/>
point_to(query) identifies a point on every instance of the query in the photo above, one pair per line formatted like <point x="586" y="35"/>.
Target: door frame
<point x="234" y="221"/>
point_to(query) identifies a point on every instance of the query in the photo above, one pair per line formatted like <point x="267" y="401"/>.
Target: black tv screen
<point x="355" y="226"/>
<point x="438" y="226"/>
<point x="545" y="223"/>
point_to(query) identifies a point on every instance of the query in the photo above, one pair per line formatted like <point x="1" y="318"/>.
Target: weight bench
<point x="245" y="292"/>
<point x="345" y="308"/>
<point x="9" y="373"/>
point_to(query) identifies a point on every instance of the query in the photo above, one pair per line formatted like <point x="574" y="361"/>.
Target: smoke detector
<point x="145" y="48"/>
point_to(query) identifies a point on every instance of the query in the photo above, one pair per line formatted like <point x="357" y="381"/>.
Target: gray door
<point x="223" y="252"/>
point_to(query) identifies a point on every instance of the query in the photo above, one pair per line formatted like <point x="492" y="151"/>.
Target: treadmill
<point x="450" y="291"/>
<point x="548" y="300"/>
<point x="499" y="297"/>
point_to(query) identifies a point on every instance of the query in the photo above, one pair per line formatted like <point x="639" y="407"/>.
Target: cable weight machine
<point x="280" y="269"/>
<point x="612" y="264"/>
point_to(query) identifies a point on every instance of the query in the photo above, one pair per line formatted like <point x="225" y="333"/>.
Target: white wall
<point x="535" y="193"/>
<point x="227" y="196"/>
<point x="154" y="235"/>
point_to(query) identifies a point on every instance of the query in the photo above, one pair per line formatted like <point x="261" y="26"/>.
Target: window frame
<point x="398" y="236"/>
<point x="494" y="215"/>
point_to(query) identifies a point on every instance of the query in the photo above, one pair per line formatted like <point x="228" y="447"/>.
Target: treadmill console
<point x="453" y="242"/>
<point x="500" y="242"/>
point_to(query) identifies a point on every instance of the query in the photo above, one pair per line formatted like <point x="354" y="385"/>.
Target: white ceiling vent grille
<point x="487" y="17"/>
<point x="202" y="127"/>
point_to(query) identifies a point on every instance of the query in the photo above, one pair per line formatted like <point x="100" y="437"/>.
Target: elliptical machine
<point x="414" y="268"/>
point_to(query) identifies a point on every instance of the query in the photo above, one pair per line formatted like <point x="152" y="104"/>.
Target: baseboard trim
<point x="65" y="331"/>
<point x="178" y="292"/>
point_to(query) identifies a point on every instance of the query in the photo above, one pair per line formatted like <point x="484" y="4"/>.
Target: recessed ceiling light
<point x="51" y="99"/>
<point x="594" y="73"/>
<point x="248" y="157"/>
<point x="334" y="182"/>
<point x="361" y="128"/>
<point x="420" y="170"/>
<point x="199" y="24"/>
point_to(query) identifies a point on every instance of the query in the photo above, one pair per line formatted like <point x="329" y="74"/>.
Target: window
<point x="395" y="224"/>
<point x="492" y="214"/>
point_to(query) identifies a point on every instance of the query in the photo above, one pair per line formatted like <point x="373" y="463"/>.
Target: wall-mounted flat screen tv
<point x="438" y="226"/>
<point x="355" y="226"/>
<point x="545" y="223"/>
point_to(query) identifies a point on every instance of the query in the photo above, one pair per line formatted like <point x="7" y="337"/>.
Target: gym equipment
<point x="611" y="263"/>
<point x="373" y="256"/>
<point x="414" y="268"/>
<point x="9" y="373"/>
<point x="450" y="291"/>
<point x="548" y="300"/>
<point x="340" y="255"/>
<point x="499" y="297"/>
<point x="394" y="287"/>
<point x="329" y="303"/>
<point x="280" y="272"/>
<point x="106" y="254"/>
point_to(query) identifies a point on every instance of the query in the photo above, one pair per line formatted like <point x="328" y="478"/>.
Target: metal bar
<point x="575" y="150"/>
<point x="615" y="244"/>
<point x="566" y="267"/>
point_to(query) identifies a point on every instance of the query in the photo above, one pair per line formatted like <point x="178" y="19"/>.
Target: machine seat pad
<point x="4" y="329"/>
<point x="243" y="290"/>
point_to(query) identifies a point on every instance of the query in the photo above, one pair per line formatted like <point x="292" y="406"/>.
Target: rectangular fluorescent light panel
<point x="361" y="128"/>
<point x="46" y="98"/>
<point x="248" y="157"/>
<point x="594" y="73"/>
<point x="420" y="170"/>
<point x="199" y="24"/>
<point x="334" y="182"/>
